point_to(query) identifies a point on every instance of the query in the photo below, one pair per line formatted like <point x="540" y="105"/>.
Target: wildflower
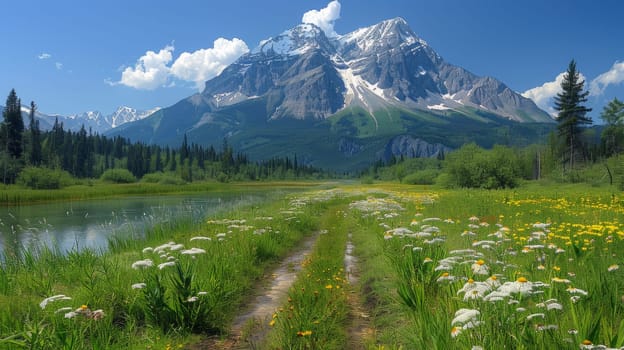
<point x="53" y="298"/>
<point x="455" y="331"/>
<point x="446" y="277"/>
<point x="139" y="285"/>
<point x="587" y="344"/>
<point x="200" y="238"/>
<point x="427" y="260"/>
<point x="613" y="267"/>
<point x="329" y="286"/>
<point x="148" y="250"/>
<point x="541" y="267"/>
<point x="532" y="316"/>
<point x="142" y="264"/>
<point x="473" y="218"/>
<point x="479" y="268"/>
<point x="202" y="293"/>
<point x="63" y="309"/>
<point x="97" y="314"/>
<point x="193" y="251"/>
<point x="192" y="299"/>
<point x="573" y="290"/>
<point x="166" y="264"/>
<point x="464" y="316"/>
<point x="71" y="314"/>
<point x="561" y="280"/>
<point x="272" y="323"/>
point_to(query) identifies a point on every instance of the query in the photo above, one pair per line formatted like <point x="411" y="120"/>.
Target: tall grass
<point x="192" y="293"/>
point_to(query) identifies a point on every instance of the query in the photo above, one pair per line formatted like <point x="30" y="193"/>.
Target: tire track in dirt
<point x="251" y="326"/>
<point x="359" y="331"/>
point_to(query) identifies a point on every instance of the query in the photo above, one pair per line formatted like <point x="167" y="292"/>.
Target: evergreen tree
<point x="35" y="156"/>
<point x="14" y="124"/>
<point x="613" y="134"/>
<point x="572" y="114"/>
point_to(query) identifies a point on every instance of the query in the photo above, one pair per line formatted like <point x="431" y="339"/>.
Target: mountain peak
<point x="386" y="34"/>
<point x="298" y="40"/>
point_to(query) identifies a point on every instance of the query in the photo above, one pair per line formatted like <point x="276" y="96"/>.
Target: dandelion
<point x="140" y="264"/>
<point x="329" y="286"/>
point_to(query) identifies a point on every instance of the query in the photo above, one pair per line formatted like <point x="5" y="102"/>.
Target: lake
<point x="78" y="225"/>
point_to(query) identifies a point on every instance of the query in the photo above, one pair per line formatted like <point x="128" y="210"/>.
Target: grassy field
<point x="532" y="268"/>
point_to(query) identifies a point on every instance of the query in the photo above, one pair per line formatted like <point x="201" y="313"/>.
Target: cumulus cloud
<point x="204" y="64"/>
<point x="154" y="70"/>
<point x="613" y="76"/>
<point x="44" y="56"/>
<point x="324" y="18"/>
<point x="543" y="95"/>
<point x="151" y="70"/>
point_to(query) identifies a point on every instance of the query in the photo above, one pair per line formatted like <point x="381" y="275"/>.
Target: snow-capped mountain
<point x="383" y="65"/>
<point x="94" y="120"/>
<point x="361" y="95"/>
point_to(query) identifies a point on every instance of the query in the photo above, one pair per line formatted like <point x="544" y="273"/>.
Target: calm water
<point x="89" y="224"/>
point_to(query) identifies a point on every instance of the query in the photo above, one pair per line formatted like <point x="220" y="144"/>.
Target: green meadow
<point x="538" y="267"/>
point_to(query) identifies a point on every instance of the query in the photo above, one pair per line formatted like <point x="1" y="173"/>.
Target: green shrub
<point x="162" y="178"/>
<point x="422" y="177"/>
<point x="474" y="167"/>
<point x="119" y="176"/>
<point x="44" y="178"/>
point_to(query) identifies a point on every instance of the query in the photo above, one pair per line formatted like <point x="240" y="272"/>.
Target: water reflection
<point x="89" y="224"/>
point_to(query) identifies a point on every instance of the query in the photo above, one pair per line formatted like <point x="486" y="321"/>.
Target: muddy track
<point x="360" y="332"/>
<point x="250" y="327"/>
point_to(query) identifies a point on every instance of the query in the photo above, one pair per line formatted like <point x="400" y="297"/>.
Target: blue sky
<point x="71" y="56"/>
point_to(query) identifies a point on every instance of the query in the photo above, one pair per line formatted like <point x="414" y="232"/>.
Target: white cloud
<point x="613" y="76"/>
<point x="151" y="70"/>
<point x="204" y="64"/>
<point x="324" y="18"/>
<point x="543" y="95"/>
<point x="44" y="56"/>
<point x="59" y="65"/>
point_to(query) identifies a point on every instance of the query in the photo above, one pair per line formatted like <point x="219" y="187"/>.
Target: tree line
<point x="572" y="153"/>
<point x="83" y="154"/>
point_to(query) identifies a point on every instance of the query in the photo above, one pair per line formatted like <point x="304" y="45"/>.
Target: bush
<point x="44" y="178"/>
<point x="162" y="178"/>
<point x="119" y="176"/>
<point x="474" y="167"/>
<point x="422" y="177"/>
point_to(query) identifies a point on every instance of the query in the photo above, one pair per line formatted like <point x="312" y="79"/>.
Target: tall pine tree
<point x="14" y="124"/>
<point x="572" y="117"/>
<point x="35" y="156"/>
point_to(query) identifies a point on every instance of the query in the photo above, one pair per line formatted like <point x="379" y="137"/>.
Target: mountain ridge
<point x="367" y="86"/>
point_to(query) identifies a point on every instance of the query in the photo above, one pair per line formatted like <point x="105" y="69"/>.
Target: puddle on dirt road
<point x="257" y="318"/>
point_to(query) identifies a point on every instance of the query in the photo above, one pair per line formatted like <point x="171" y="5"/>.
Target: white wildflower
<point x="139" y="285"/>
<point x="463" y="316"/>
<point x="200" y="238"/>
<point x="53" y="298"/>
<point x="166" y="264"/>
<point x="193" y="251"/>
